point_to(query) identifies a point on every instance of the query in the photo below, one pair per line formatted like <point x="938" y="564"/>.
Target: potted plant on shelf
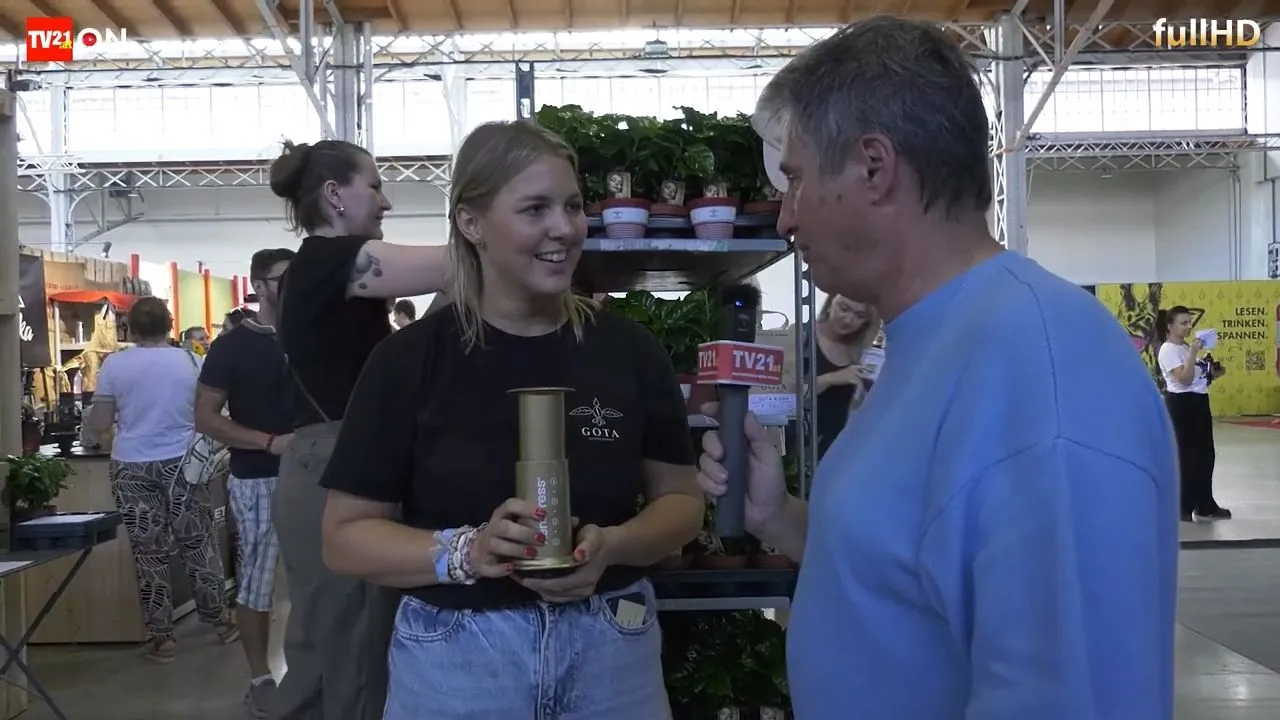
<point x="34" y="481"/>
<point x="585" y="134"/>
<point x="669" y="159"/>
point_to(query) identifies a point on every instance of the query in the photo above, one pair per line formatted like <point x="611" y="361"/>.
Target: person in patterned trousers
<point x="146" y="391"/>
<point x="244" y="372"/>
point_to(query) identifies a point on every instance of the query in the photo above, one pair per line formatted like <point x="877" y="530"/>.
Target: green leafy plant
<point x="725" y="660"/>
<point x="651" y="150"/>
<point x="680" y="325"/>
<point x="35" y="480"/>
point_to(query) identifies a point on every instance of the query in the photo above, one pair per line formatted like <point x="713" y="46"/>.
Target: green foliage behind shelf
<point x="680" y="325"/>
<point x="695" y="148"/>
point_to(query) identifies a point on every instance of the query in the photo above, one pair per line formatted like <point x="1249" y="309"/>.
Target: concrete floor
<point x="1215" y="681"/>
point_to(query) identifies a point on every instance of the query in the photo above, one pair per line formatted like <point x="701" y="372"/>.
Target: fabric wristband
<point x="444" y="545"/>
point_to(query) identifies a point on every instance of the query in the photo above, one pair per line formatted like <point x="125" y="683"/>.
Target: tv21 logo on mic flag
<point x="728" y="362"/>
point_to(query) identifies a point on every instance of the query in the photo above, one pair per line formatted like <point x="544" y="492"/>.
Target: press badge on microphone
<point x="628" y="610"/>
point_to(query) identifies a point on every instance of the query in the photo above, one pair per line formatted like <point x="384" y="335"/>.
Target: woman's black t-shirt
<point x="434" y="429"/>
<point x="326" y="335"/>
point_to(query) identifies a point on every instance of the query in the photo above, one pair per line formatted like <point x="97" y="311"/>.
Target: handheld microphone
<point x="738" y="305"/>
<point x="733" y="364"/>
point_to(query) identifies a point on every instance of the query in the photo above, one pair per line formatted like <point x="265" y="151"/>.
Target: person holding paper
<point x="1187" y="375"/>
<point x="846" y="332"/>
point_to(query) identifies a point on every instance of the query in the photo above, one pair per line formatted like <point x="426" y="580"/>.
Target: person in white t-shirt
<point x="1187" y="374"/>
<point x="148" y="392"/>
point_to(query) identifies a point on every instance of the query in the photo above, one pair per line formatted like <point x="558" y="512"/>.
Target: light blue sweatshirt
<point x="994" y="534"/>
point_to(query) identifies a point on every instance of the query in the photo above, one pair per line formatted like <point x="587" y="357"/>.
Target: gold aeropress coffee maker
<point x="542" y="478"/>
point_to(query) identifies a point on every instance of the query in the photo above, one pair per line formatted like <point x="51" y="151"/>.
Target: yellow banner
<point x="1245" y="315"/>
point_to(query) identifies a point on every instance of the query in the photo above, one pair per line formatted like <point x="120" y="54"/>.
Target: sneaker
<point x="259" y="697"/>
<point x="1217" y="513"/>
<point x="162" y="650"/>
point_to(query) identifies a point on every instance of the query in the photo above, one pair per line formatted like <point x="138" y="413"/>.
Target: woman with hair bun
<point x="333" y="313"/>
<point x="433" y="413"/>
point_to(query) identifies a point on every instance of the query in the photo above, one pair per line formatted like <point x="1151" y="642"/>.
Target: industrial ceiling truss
<point x="34" y="173"/>
<point x="1121" y="153"/>
<point x="412" y="56"/>
<point x="157" y="19"/>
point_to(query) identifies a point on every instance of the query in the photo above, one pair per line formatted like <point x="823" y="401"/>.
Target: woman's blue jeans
<point x="538" y="662"/>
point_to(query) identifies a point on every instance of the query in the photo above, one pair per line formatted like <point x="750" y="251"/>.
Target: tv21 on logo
<point x="55" y="39"/>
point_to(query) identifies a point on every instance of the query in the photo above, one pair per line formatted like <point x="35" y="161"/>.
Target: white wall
<point x="1170" y="225"/>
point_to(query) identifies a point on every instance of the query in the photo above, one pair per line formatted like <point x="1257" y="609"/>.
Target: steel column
<point x="526" y="76"/>
<point x="62" y="223"/>
<point x="453" y="83"/>
<point x="343" y="84"/>
<point x="1009" y="168"/>
<point x="10" y="317"/>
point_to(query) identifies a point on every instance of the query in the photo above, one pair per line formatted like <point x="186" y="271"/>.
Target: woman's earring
<point x="341" y="209"/>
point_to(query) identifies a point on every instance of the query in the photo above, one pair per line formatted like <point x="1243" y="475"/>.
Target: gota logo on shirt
<point x="594" y="422"/>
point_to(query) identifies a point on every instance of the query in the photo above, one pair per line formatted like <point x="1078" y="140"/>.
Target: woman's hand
<point x="581" y="583"/>
<point x="504" y="538"/>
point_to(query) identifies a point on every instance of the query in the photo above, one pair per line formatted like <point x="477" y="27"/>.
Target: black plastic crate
<point x="67" y="534"/>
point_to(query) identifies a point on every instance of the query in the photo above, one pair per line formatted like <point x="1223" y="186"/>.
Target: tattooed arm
<point x="383" y="270"/>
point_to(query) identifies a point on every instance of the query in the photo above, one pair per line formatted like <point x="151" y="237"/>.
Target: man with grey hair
<point x="993" y="536"/>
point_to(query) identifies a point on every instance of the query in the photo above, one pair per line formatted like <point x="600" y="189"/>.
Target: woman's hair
<point x="1165" y="318"/>
<point x="489" y="158"/>
<point x="301" y="171"/>
<point x="149" y="319"/>
<point x="866" y="335"/>
<point x="239" y="315"/>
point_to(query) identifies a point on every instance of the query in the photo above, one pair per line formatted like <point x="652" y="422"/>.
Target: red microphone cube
<point x="726" y="362"/>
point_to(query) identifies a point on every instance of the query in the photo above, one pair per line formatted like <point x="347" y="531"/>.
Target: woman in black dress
<point x="846" y="330"/>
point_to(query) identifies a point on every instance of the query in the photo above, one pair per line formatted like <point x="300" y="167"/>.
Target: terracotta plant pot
<point x="625" y="218"/>
<point x="592" y="210"/>
<point x="713" y="217"/>
<point x="762" y="207"/>
<point x="666" y="210"/>
<point x="722" y="562"/>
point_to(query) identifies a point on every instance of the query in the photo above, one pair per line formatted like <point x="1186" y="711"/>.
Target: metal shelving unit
<point x="675" y="264"/>
<point x="682" y="264"/>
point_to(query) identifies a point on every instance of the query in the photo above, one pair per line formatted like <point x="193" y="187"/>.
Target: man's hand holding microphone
<point x="772" y="514"/>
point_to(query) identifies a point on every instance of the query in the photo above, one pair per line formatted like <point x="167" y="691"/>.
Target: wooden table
<point x="27" y="562"/>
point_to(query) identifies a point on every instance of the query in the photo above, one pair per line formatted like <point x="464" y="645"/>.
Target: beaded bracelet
<point x="458" y="558"/>
<point x="444" y="541"/>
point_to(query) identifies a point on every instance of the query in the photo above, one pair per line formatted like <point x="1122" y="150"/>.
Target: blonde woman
<point x="846" y="329"/>
<point x="434" y="415"/>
